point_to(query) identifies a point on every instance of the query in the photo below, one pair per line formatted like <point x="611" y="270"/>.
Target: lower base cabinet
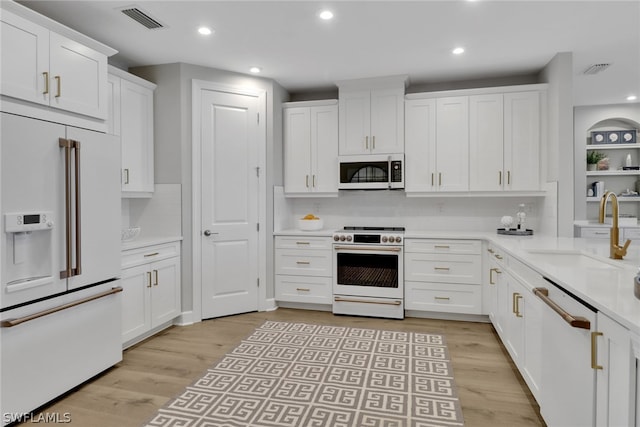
<point x="151" y="289"/>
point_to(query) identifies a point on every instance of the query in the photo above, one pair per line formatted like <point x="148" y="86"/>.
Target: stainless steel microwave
<point x="371" y="172"/>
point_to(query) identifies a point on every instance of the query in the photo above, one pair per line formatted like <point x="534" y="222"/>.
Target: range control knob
<point x="384" y="239"/>
<point x="342" y="238"/>
<point x="336" y="238"/>
<point x="349" y="238"/>
<point x="398" y="239"/>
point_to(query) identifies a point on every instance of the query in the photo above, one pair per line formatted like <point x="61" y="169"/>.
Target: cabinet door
<point x="324" y="149"/>
<point x="387" y="122"/>
<point x="355" y="116"/>
<point x="78" y="79"/>
<point x="615" y="379"/>
<point x="485" y="143"/>
<point x="297" y="150"/>
<point x="522" y="141"/>
<point x="515" y="324"/>
<point x="452" y="143"/>
<point x="25" y="59"/>
<point x="165" y="291"/>
<point x="136" y="137"/>
<point x="490" y="294"/>
<point x="420" y="145"/>
<point x="531" y="309"/>
<point x="136" y="314"/>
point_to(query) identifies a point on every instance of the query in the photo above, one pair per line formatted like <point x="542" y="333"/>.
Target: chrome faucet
<point x="615" y="250"/>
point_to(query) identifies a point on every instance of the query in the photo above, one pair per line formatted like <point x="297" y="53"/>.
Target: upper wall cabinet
<point x="372" y="116"/>
<point x="437" y="144"/>
<point x="504" y="141"/>
<point x="47" y="68"/>
<point x="311" y="148"/>
<point x="478" y="140"/>
<point x="131" y="118"/>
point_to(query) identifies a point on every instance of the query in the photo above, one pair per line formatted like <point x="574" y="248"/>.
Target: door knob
<point x="208" y="233"/>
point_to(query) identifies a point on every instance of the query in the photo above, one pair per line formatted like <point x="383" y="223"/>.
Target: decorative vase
<point x="592" y="166"/>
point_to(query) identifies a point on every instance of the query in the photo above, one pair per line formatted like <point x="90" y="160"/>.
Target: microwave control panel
<point x="25" y="222"/>
<point x="396" y="171"/>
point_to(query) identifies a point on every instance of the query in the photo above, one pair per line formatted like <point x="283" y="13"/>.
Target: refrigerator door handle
<point x="78" y="270"/>
<point x="66" y="144"/>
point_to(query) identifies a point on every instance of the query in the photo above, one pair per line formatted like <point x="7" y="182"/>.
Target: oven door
<point x="368" y="270"/>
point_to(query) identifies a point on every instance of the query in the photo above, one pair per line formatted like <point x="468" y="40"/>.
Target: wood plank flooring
<point x="491" y="391"/>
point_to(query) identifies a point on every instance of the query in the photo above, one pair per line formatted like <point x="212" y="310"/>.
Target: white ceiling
<point x="375" y="38"/>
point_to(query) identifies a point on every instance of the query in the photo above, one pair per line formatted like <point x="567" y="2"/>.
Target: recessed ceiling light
<point x="326" y="15"/>
<point x="458" y="50"/>
<point x="631" y="98"/>
<point x="205" y="31"/>
<point x="255" y="70"/>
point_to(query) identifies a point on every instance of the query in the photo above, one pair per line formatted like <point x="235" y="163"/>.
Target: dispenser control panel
<point x="31" y="221"/>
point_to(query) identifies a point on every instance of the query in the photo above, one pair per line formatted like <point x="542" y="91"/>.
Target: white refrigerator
<point x="60" y="244"/>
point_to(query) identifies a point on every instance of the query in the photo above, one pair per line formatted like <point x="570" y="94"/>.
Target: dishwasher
<point x="568" y="358"/>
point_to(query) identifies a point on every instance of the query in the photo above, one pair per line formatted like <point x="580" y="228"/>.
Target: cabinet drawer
<point x="438" y="246"/>
<point x="450" y="298"/>
<point x="309" y="289"/>
<point x="138" y="256"/>
<point x="443" y="268"/>
<point x="303" y="242"/>
<point x="595" y="232"/>
<point x="632" y="233"/>
<point x="303" y="263"/>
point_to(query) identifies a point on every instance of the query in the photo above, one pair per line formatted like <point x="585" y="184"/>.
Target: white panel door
<point x="486" y="138"/>
<point x="387" y="121"/>
<point x="355" y="122"/>
<point x="324" y="149"/>
<point x="229" y="147"/>
<point x="522" y="140"/>
<point x="452" y="139"/>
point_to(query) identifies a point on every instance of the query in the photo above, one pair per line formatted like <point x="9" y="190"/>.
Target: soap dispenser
<point x="521" y="216"/>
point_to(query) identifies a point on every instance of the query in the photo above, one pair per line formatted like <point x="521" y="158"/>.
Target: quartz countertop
<point x="148" y="241"/>
<point x="606" y="285"/>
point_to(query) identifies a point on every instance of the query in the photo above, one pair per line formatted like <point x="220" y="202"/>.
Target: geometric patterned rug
<point x="296" y="374"/>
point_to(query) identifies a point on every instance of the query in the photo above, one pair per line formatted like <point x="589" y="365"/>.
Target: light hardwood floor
<point x="491" y="391"/>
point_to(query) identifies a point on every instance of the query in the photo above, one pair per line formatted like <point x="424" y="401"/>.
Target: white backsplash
<point x="158" y="216"/>
<point x="394" y="208"/>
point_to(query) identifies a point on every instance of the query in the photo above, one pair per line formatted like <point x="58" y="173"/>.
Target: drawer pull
<point x="151" y="254"/>
<point x="303" y="289"/>
<point x="303" y="262"/>
<point x="442" y="298"/>
<point x="442" y="246"/>
<point x="498" y="256"/>
<point x="303" y="243"/>
<point x="441" y="268"/>
<point x="490" y="251"/>
<point x="497" y="271"/>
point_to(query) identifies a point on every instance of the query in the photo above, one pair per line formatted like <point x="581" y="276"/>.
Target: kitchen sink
<point x="572" y="259"/>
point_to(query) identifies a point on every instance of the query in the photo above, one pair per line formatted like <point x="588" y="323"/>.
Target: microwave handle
<point x="389" y="171"/>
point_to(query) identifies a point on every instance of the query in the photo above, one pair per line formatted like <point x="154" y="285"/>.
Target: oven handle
<point x="368" y="248"/>
<point x="15" y="322"/>
<point x="574" y="321"/>
<point x="340" y="299"/>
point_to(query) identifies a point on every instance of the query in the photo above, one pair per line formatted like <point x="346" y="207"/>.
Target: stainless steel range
<point x="369" y="266"/>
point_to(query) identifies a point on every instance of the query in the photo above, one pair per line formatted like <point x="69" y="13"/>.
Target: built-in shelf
<point x="613" y="173"/>
<point x="620" y="199"/>
<point x="611" y="146"/>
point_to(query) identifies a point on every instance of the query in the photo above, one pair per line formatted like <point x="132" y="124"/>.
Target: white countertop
<point x="148" y="241"/>
<point x="607" y="286"/>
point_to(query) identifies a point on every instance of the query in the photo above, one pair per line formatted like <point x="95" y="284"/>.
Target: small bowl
<point x="129" y="233"/>
<point x="310" y="224"/>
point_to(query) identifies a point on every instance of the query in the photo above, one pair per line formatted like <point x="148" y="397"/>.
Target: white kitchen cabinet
<point x="131" y="118"/>
<point x="304" y="269"/>
<point x="492" y="277"/>
<point x="504" y="141"/>
<point x="371" y="116"/>
<point x="443" y="276"/>
<point x="151" y="290"/>
<point x="311" y="148"/>
<point x="437" y="144"/>
<point x="615" y="368"/>
<point x="44" y="67"/>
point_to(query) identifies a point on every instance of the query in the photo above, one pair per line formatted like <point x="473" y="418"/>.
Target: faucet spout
<point x="615" y="250"/>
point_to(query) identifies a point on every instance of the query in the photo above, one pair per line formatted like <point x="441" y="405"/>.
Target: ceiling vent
<point x="596" y="68"/>
<point x="142" y="18"/>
